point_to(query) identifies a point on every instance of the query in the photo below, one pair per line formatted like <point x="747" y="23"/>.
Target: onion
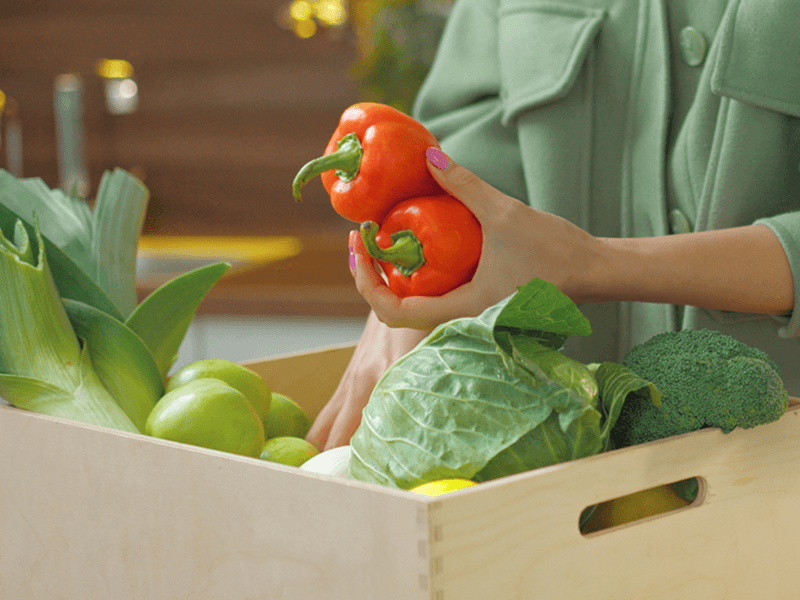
<point x="335" y="461"/>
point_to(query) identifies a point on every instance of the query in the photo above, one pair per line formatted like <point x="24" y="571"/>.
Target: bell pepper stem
<point x="346" y="159"/>
<point x="405" y="253"/>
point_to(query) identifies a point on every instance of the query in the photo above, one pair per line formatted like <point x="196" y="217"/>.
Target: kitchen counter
<point x="275" y="275"/>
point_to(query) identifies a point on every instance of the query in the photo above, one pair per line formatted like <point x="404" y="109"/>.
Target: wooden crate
<point x="89" y="513"/>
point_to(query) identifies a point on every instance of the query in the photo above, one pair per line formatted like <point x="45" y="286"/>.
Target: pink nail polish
<point x="352" y="254"/>
<point x="437" y="158"/>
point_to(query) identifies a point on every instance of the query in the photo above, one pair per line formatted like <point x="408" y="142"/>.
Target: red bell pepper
<point x="375" y="158"/>
<point x="426" y="246"/>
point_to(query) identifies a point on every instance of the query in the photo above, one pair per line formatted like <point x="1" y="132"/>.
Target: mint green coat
<point x="634" y="118"/>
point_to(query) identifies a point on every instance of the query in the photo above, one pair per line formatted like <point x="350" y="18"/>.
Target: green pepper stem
<point x="405" y="253"/>
<point x="346" y="159"/>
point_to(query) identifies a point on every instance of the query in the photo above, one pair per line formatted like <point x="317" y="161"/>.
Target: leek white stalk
<point x="43" y="367"/>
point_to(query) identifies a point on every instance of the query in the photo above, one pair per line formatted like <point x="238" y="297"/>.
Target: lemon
<point x="442" y="486"/>
<point x="288" y="450"/>
<point x="239" y="377"/>
<point x="634" y="507"/>
<point x="286" y="418"/>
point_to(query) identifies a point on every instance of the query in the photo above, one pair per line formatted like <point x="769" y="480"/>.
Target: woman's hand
<point x="519" y="243"/>
<point x="739" y="269"/>
<point x="377" y="349"/>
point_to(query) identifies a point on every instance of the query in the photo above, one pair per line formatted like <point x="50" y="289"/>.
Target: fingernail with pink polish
<point x="352" y="253"/>
<point x="437" y="158"/>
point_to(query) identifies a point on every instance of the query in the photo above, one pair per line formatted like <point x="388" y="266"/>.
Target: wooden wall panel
<point x="230" y="105"/>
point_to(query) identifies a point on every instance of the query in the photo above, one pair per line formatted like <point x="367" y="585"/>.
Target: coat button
<point x="693" y="46"/>
<point x="678" y="223"/>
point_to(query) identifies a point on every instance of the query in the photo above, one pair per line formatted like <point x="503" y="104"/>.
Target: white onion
<point x="335" y="461"/>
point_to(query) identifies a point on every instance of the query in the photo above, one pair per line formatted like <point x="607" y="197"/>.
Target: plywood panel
<point x="129" y="517"/>
<point x="519" y="537"/>
<point x="87" y="512"/>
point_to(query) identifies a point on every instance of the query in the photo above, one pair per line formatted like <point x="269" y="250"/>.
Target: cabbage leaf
<point x="490" y="396"/>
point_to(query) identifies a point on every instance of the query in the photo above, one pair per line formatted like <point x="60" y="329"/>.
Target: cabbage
<point x="485" y="397"/>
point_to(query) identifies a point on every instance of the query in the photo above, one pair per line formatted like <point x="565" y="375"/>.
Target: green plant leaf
<point x="71" y="279"/>
<point x="119" y="213"/>
<point x="162" y="319"/>
<point x="573" y="429"/>
<point x="36" y="395"/>
<point x="36" y="338"/>
<point x="557" y="440"/>
<point x="549" y="365"/>
<point x="121" y="360"/>
<point x="89" y="403"/>
<point x="541" y="311"/>
<point x="101" y="243"/>
<point x="616" y="383"/>
<point x="64" y="220"/>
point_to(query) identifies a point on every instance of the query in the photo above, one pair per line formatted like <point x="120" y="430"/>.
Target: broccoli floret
<point x="707" y="379"/>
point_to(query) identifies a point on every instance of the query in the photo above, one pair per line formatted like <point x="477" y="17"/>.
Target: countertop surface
<point x="273" y="275"/>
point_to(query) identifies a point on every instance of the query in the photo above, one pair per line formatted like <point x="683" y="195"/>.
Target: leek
<point x="43" y="367"/>
<point x="71" y="280"/>
<point x="73" y="341"/>
<point x="103" y="241"/>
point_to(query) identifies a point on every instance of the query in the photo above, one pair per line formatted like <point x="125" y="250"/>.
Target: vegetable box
<point x="89" y="512"/>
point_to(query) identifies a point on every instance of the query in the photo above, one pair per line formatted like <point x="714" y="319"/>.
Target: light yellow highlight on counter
<point x="254" y="249"/>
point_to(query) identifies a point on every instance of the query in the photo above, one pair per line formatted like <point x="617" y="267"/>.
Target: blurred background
<point x="215" y="107"/>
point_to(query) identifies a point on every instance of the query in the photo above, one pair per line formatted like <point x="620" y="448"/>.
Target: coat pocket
<point x="542" y="47"/>
<point x="759" y="55"/>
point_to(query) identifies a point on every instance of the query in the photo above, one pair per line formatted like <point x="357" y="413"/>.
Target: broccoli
<point x="707" y="379"/>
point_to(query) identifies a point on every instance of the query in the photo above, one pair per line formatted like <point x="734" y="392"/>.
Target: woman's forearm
<point x="742" y="269"/>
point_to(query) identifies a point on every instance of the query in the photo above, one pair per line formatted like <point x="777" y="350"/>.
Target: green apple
<point x="286" y="418"/>
<point x="239" y="377"/>
<point x="208" y="413"/>
<point x="288" y="450"/>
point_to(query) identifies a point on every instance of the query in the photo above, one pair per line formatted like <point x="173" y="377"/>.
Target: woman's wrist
<point x="742" y="269"/>
<point x="599" y="270"/>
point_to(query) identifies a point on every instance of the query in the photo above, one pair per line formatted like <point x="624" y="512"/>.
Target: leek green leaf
<point x="121" y="359"/>
<point x="70" y="278"/>
<point x="100" y="243"/>
<point x="62" y="219"/>
<point x="36" y="395"/>
<point x="162" y="319"/>
<point x="119" y="213"/>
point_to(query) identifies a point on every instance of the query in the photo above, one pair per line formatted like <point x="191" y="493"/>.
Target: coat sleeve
<point x="786" y="228"/>
<point x="758" y="65"/>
